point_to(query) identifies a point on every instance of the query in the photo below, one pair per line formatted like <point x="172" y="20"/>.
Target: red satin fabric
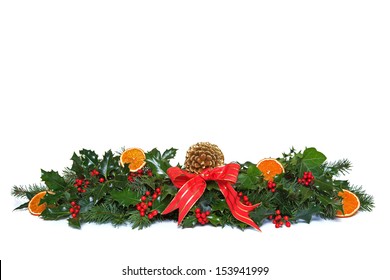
<point x="192" y="186"/>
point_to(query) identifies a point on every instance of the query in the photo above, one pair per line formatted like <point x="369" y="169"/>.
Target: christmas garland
<point x="205" y="190"/>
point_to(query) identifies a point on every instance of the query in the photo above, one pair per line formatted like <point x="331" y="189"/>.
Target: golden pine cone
<point x="203" y="155"/>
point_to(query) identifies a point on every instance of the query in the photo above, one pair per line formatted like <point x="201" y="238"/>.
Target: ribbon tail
<point x="239" y="210"/>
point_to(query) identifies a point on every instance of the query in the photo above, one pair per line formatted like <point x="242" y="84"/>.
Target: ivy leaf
<point x="89" y="158"/>
<point x="53" y="180"/>
<point x="108" y="164"/>
<point x="126" y="197"/>
<point x="250" y="179"/>
<point x="311" y="160"/>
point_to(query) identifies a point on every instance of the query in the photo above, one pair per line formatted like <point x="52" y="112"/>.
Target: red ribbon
<point x="192" y="186"/>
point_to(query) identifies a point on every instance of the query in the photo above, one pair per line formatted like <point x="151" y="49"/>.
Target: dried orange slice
<point x="34" y="205"/>
<point x="135" y="157"/>
<point x="270" y="167"/>
<point x="351" y="204"/>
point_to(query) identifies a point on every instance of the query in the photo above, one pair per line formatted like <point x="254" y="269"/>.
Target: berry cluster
<point x="95" y="173"/>
<point x="202" y="216"/>
<point x="74" y="209"/>
<point x="271" y="185"/>
<point x="244" y="199"/>
<point x="81" y="185"/>
<point x="307" y="179"/>
<point x="146" y="204"/>
<point x="140" y="172"/>
<point x="278" y="220"/>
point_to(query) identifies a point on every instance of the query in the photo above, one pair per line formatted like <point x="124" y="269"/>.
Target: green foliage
<point x="113" y="194"/>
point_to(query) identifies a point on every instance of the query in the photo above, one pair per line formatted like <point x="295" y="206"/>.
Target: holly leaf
<point x="108" y="164"/>
<point x="126" y="197"/>
<point x="306" y="214"/>
<point x="55" y="213"/>
<point x="169" y="154"/>
<point x="53" y="180"/>
<point x="311" y="160"/>
<point x="89" y="158"/>
<point x="160" y="203"/>
<point x="77" y="165"/>
<point x="260" y="214"/>
<point x="214" y="220"/>
<point x="159" y="164"/>
<point x="189" y="222"/>
<point x="74" y="223"/>
<point x="100" y="191"/>
<point x="22" y="206"/>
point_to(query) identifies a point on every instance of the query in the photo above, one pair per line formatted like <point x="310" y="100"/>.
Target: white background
<point x="254" y="77"/>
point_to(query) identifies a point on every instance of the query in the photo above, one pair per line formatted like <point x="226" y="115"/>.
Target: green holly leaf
<point x="260" y="214"/>
<point x="214" y="220"/>
<point x="74" y="223"/>
<point x="99" y="191"/>
<point x="311" y="160"/>
<point x="108" y="164"/>
<point x="169" y="154"/>
<point x="53" y="180"/>
<point x="189" y="222"/>
<point x="161" y="203"/>
<point x="89" y="159"/>
<point x="159" y="164"/>
<point x="306" y="214"/>
<point x="126" y="197"/>
<point x="77" y="165"/>
<point x="55" y="213"/>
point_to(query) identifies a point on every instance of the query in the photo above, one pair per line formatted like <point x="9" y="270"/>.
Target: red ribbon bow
<point x="192" y="186"/>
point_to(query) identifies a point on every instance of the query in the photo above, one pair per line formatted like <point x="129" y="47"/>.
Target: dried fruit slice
<point x="351" y="204"/>
<point x="270" y="167"/>
<point x="135" y="157"/>
<point x="34" y="205"/>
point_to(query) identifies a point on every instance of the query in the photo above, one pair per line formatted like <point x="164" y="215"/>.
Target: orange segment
<point x="135" y="157"/>
<point x="34" y="207"/>
<point x="270" y="167"/>
<point x="351" y="204"/>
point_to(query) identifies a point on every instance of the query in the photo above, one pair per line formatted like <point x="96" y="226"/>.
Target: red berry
<point x="200" y="220"/>
<point x="203" y="215"/>
<point x="154" y="196"/>
<point x="270" y="217"/>
<point x="145" y="207"/>
<point x="143" y="198"/>
<point x="74" y="215"/>
<point x="278" y="217"/>
<point x="285" y="218"/>
<point x="288" y="224"/>
<point x="245" y="198"/>
<point x="142" y="213"/>
<point x="277" y="212"/>
<point x="73" y="203"/>
<point x="197" y="210"/>
<point x="71" y="210"/>
<point x="158" y="190"/>
<point x="150" y="216"/>
<point x="150" y="204"/>
<point x="207" y="213"/>
<point x="101" y="180"/>
<point x="79" y="189"/>
<point x="240" y="194"/>
<point x="154" y="212"/>
<point x="273" y="190"/>
<point x="147" y="193"/>
<point x="139" y="207"/>
<point x="277" y="225"/>
<point x="197" y="215"/>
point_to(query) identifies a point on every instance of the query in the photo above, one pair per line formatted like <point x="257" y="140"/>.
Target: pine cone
<point x="203" y="155"/>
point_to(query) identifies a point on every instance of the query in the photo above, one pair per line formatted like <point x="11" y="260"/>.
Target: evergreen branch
<point x="366" y="200"/>
<point x="69" y="175"/>
<point x="337" y="168"/>
<point x="105" y="213"/>
<point x="27" y="191"/>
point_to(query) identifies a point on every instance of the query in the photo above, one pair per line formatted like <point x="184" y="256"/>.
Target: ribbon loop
<point x="192" y="186"/>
